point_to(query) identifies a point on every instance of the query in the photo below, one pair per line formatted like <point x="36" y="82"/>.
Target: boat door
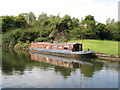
<point x="77" y="47"/>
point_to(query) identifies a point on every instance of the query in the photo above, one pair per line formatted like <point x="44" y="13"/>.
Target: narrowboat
<point x="60" y="49"/>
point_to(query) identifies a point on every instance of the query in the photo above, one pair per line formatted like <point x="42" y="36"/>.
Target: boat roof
<point x="57" y="43"/>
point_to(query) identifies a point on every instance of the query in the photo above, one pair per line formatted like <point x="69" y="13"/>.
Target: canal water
<point x="32" y="70"/>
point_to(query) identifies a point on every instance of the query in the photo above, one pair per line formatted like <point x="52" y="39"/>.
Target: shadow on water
<point x="86" y="65"/>
<point x="13" y="62"/>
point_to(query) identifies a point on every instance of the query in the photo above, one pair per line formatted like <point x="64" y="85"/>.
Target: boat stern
<point x="87" y="54"/>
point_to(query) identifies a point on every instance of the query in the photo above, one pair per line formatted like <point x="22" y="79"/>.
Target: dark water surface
<point x="25" y="70"/>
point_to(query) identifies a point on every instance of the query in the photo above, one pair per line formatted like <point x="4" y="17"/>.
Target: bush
<point x="26" y="46"/>
<point x="41" y="39"/>
<point x="21" y="46"/>
<point x="12" y="43"/>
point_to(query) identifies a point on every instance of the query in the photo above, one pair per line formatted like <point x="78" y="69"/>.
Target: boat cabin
<point x="57" y="46"/>
<point x="77" y="47"/>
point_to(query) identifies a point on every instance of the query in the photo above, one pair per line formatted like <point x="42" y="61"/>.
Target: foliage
<point x="41" y="39"/>
<point x="113" y="29"/>
<point x="65" y="23"/>
<point x="8" y="22"/>
<point x="89" y="25"/>
<point x="21" y="46"/>
<point x="30" y="17"/>
<point x="102" y="32"/>
<point x="11" y="22"/>
<point x="12" y="43"/>
<point x="26" y="27"/>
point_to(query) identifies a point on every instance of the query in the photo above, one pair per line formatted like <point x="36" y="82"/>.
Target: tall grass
<point x="101" y="46"/>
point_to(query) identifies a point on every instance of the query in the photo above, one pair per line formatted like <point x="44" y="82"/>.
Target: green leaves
<point x="65" y="23"/>
<point x="26" y="27"/>
<point x="11" y="22"/>
<point x="102" y="31"/>
<point x="8" y="22"/>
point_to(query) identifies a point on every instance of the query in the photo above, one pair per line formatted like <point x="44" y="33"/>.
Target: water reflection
<point x="53" y="71"/>
<point x="12" y="61"/>
<point x="59" y="61"/>
<point x="67" y="65"/>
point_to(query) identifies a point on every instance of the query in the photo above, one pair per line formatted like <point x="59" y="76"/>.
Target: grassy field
<point x="100" y="46"/>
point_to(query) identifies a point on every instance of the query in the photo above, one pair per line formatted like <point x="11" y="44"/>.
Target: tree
<point x="112" y="26"/>
<point x="32" y="17"/>
<point x="29" y="17"/>
<point x="20" y="21"/>
<point x="8" y="23"/>
<point x="53" y="20"/>
<point x="90" y="25"/>
<point x="65" y="23"/>
<point x="42" y="17"/>
<point x="102" y="32"/>
<point x="75" y="22"/>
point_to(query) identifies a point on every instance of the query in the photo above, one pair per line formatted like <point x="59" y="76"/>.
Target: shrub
<point x="12" y="43"/>
<point x="21" y="46"/>
<point x="18" y="46"/>
<point x="41" y="39"/>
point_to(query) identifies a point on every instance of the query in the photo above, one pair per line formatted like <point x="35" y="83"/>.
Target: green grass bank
<point x="99" y="46"/>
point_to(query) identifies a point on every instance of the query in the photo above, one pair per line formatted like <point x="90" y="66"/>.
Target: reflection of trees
<point x="6" y="67"/>
<point x="12" y="61"/>
<point x="76" y="65"/>
<point x="42" y="65"/>
<point x="63" y="71"/>
<point x="88" y="70"/>
<point x="114" y="66"/>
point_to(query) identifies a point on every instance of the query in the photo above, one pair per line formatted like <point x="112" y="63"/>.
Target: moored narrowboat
<point x="60" y="49"/>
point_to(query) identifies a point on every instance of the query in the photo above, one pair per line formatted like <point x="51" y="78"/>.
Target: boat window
<point x="40" y="46"/>
<point x="55" y="46"/>
<point x="65" y="47"/>
<point x="60" y="47"/>
<point x="65" y="62"/>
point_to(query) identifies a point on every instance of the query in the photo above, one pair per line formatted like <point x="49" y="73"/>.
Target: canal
<point x="32" y="70"/>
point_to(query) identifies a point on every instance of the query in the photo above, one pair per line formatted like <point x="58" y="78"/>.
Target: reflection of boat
<point x="60" y="61"/>
<point x="67" y="50"/>
<point x="54" y="60"/>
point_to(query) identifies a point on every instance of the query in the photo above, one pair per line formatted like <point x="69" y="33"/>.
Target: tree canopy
<point x="26" y="27"/>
